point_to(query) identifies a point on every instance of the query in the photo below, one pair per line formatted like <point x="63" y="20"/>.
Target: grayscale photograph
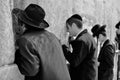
<point x="59" y="39"/>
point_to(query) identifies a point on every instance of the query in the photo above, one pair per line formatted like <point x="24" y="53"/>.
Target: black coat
<point x="40" y="57"/>
<point x="106" y="59"/>
<point x="117" y="39"/>
<point x="83" y="59"/>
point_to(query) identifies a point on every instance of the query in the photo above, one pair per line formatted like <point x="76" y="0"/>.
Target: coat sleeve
<point x="27" y="58"/>
<point x="78" y="55"/>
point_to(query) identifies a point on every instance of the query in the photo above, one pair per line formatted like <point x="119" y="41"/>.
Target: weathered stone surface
<point x="10" y="72"/>
<point x="99" y="11"/>
<point x="93" y="11"/>
<point x="6" y="34"/>
<point x="56" y="13"/>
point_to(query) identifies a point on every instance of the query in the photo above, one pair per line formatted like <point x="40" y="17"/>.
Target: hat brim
<point x="117" y="25"/>
<point x="23" y="17"/>
<point x="97" y="32"/>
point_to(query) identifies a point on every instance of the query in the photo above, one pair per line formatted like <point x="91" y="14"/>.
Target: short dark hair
<point x="72" y="20"/>
<point x="77" y="16"/>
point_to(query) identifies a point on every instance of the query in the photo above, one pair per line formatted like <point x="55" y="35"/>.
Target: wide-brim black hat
<point x="33" y="15"/>
<point x="97" y="29"/>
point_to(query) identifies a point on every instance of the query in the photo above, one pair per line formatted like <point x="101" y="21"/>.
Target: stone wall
<point x="92" y="11"/>
<point x="99" y="11"/>
<point x="57" y="11"/>
<point x="8" y="71"/>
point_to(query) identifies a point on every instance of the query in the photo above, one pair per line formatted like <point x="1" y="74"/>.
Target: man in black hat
<point x="106" y="55"/>
<point x="82" y="59"/>
<point x="40" y="56"/>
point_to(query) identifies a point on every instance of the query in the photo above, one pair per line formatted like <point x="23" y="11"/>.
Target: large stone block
<point x="10" y="72"/>
<point x="6" y="34"/>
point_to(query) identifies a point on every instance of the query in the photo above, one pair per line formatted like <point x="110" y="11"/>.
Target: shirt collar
<point x="81" y="33"/>
<point x="103" y="43"/>
<point x="78" y="34"/>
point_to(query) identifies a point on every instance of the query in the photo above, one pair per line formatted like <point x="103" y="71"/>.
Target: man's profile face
<point x="70" y="30"/>
<point x="100" y="37"/>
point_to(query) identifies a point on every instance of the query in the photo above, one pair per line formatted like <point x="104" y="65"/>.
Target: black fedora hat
<point x="117" y="25"/>
<point x="34" y="15"/>
<point x="97" y="29"/>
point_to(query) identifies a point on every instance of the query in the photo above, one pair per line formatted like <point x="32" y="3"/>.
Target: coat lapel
<point x="106" y="42"/>
<point x="83" y="32"/>
<point x="102" y="48"/>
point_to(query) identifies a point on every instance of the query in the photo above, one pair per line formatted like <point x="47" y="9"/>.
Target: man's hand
<point x="64" y="39"/>
<point x="98" y="63"/>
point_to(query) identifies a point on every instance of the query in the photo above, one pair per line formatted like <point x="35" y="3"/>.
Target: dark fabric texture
<point x="106" y="59"/>
<point x="40" y="57"/>
<point x="83" y="59"/>
<point x="117" y="39"/>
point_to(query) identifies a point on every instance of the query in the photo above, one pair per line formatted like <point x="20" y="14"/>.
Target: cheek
<point x="99" y="38"/>
<point x="72" y="32"/>
<point x="69" y="30"/>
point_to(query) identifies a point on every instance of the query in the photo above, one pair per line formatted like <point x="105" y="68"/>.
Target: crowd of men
<point x="40" y="55"/>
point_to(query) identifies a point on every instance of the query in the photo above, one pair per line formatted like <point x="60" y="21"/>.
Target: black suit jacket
<point x="83" y="58"/>
<point x="106" y="59"/>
